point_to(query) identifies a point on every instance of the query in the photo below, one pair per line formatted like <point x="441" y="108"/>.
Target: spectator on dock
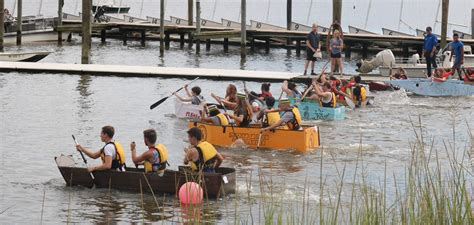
<point x="429" y="50"/>
<point x="335" y="47"/>
<point x="7" y="20"/>
<point x="458" y="50"/>
<point x="313" y="48"/>
<point x="194" y="96"/>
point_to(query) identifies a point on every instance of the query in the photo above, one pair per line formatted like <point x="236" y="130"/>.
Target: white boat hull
<point x="23" y="57"/>
<point x="46" y="35"/>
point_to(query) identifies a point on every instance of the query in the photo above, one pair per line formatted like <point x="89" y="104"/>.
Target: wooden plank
<point x="217" y="34"/>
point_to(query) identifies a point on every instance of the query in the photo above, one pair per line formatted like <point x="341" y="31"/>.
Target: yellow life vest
<point x="160" y="162"/>
<point x="363" y="94"/>
<point x="295" y="125"/>
<point x="119" y="160"/>
<point x="271" y="118"/>
<point x="223" y="119"/>
<point x="207" y="155"/>
<point x="331" y="104"/>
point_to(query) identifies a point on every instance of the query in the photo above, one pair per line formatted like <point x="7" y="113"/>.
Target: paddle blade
<point x="158" y="103"/>
<point x="350" y="103"/>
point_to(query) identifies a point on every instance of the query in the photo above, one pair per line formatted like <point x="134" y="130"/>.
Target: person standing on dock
<point x="429" y="50"/>
<point x="313" y="46"/>
<point x="201" y="154"/>
<point x="112" y="154"/>
<point x="335" y="47"/>
<point x="458" y="50"/>
<point x="156" y="158"/>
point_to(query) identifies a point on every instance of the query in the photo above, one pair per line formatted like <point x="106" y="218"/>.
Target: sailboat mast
<point x="436" y="18"/>
<point x="368" y="12"/>
<point x="400" y="16"/>
<point x="309" y="11"/>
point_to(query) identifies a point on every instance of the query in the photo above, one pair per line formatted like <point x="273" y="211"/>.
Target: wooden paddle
<point x="82" y="155"/>
<point x="154" y="105"/>
<point x="238" y="141"/>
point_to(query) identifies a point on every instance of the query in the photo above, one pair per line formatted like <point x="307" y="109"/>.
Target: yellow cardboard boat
<point x="279" y="139"/>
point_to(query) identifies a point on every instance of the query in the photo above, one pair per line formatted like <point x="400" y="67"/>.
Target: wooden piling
<point x="444" y="22"/>
<point x="19" y="20"/>
<point x="2" y="29"/>
<point x="167" y="40"/>
<point x="337" y="10"/>
<point x="252" y="44"/>
<point x="267" y="45"/>
<point x="226" y="44"/>
<point x="190" y="40"/>
<point x="208" y="44"/>
<point x="288" y="19"/>
<point x="365" y="47"/>
<point x="60" y="22"/>
<point x="181" y="40"/>
<point x="243" y="28"/>
<point x="143" y="37"/>
<point x="198" y="25"/>
<point x="298" y="47"/>
<point x="348" y="51"/>
<point x="103" y="35"/>
<point x="124" y="37"/>
<point x="162" y="27"/>
<point x="86" y="31"/>
<point x="190" y="12"/>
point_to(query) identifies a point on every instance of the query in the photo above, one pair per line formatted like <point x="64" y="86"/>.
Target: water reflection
<point x="85" y="103"/>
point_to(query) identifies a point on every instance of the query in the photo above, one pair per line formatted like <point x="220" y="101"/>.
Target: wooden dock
<point x="164" y="72"/>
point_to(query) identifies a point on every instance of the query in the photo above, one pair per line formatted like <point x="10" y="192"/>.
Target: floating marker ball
<point x="190" y="193"/>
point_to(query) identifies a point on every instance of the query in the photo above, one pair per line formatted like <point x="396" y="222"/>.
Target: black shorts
<point x="310" y="55"/>
<point x="337" y="55"/>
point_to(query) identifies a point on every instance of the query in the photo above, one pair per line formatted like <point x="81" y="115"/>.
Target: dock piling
<point x="226" y="44"/>
<point x="143" y="37"/>
<point x="198" y="25"/>
<point x="190" y="12"/>
<point x="181" y="40"/>
<point x="167" y="40"/>
<point x="298" y="47"/>
<point x="124" y="37"/>
<point x="267" y="45"/>
<point x="2" y="29"/>
<point x="19" y="29"/>
<point x="243" y="28"/>
<point x="103" y="35"/>
<point x="252" y="44"/>
<point x="86" y="31"/>
<point x="337" y="11"/>
<point x="288" y="19"/>
<point x="444" y="22"/>
<point x="208" y="44"/>
<point x="162" y="27"/>
<point x="60" y="22"/>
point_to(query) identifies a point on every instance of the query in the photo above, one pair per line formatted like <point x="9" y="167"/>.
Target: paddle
<point x="154" y="105"/>
<point x="82" y="155"/>
<point x="238" y="141"/>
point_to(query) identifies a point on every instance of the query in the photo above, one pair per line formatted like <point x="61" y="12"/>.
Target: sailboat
<point x="110" y="6"/>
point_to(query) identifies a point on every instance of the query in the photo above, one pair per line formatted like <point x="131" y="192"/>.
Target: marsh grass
<point x="436" y="188"/>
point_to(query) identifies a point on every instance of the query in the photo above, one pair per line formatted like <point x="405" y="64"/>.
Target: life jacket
<point x="270" y="118"/>
<point x="363" y="94"/>
<point x="159" y="162"/>
<point x="119" y="161"/>
<point x="223" y="119"/>
<point x="207" y="156"/>
<point x="296" y="123"/>
<point x="246" y="120"/>
<point x="331" y="104"/>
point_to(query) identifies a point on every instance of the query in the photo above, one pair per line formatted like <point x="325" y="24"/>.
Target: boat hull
<point x="279" y="139"/>
<point x="313" y="111"/>
<point x="23" y="57"/>
<point x="426" y="87"/>
<point x="215" y="185"/>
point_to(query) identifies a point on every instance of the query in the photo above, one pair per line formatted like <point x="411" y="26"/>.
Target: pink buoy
<point x="190" y="193"/>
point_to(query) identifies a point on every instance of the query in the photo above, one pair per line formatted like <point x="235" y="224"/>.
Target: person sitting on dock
<point x="156" y="158"/>
<point x="243" y="113"/>
<point x="230" y="100"/>
<point x="201" y="155"/>
<point x="269" y="116"/>
<point x="194" y="96"/>
<point x="458" y="50"/>
<point x="112" y="154"/>
<point x="429" y="50"/>
<point x="335" y="47"/>
<point x="215" y="116"/>
<point x="291" y="117"/>
<point x="359" y="93"/>
<point x="313" y="45"/>
<point x="290" y="89"/>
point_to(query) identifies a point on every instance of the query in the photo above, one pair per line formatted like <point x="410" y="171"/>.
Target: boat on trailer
<point x="427" y="87"/>
<point x="304" y="140"/>
<point x="215" y="185"/>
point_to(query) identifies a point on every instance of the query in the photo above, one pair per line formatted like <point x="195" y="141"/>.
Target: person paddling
<point x="290" y="89"/>
<point x="243" y="113"/>
<point x="201" y="155"/>
<point x="194" y="96"/>
<point x="156" y="158"/>
<point x="269" y="116"/>
<point x="230" y="100"/>
<point x="291" y="117"/>
<point x="214" y="116"/>
<point x="112" y="154"/>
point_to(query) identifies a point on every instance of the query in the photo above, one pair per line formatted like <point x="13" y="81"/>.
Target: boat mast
<point x="436" y="18"/>
<point x="40" y="6"/>
<point x="268" y="10"/>
<point x="400" y="16"/>
<point x="368" y="12"/>
<point x="309" y="11"/>
<point x="14" y="8"/>
<point x="214" y="11"/>
<point x="141" y="9"/>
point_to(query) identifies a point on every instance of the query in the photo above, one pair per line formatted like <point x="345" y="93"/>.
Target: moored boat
<point x="304" y="140"/>
<point x="427" y="87"/>
<point x="215" y="185"/>
<point x="23" y="57"/>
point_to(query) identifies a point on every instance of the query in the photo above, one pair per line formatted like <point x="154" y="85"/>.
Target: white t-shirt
<point x="109" y="150"/>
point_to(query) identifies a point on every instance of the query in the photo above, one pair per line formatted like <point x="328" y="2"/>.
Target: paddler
<point x="230" y="100"/>
<point x="291" y="117"/>
<point x="243" y="113"/>
<point x="194" y="96"/>
<point x="359" y="93"/>
<point x="214" y="117"/>
<point x="201" y="155"/>
<point x="290" y="89"/>
<point x="112" y="154"/>
<point x="156" y="158"/>
<point x="269" y="116"/>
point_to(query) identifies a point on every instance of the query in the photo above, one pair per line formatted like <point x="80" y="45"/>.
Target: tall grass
<point x="435" y="189"/>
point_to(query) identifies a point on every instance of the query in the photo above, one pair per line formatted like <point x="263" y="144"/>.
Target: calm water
<point x="39" y="112"/>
